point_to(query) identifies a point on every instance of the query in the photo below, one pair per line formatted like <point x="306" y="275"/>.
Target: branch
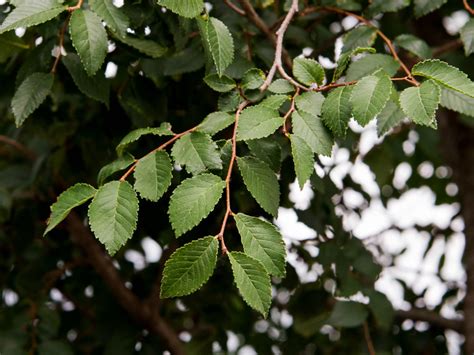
<point x="234" y="7"/>
<point x="31" y="155"/>
<point x="262" y="26"/>
<point x="433" y="318"/>
<point x="447" y="47"/>
<point x="102" y="263"/>
<point x="468" y="8"/>
<point x="368" y="339"/>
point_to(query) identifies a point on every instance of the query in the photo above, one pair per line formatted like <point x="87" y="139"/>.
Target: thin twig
<point x="234" y="7"/>
<point x="289" y="112"/>
<point x="233" y="156"/>
<point x="368" y="339"/>
<point x="277" y="62"/>
<point x="61" y="44"/>
<point x="468" y="8"/>
<point x="18" y="146"/>
<point x="161" y="147"/>
<point x="75" y="7"/>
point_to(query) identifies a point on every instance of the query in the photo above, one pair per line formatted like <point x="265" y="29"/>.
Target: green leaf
<point x="30" y="94"/>
<point x="458" y="102"/>
<point x="253" y="79"/>
<point x="189" y="267"/>
<point x="72" y="197"/>
<point x="362" y="36"/>
<point x="262" y="241"/>
<point x="420" y="103"/>
<point x="185" y="8"/>
<point x="313" y="132"/>
<point x="31" y="13"/>
<point x="220" y="83"/>
<point x="414" y="45"/>
<point x="198" y="152"/>
<point x="348" y="314"/>
<point x="390" y="117"/>
<point x="114" y="18"/>
<point x="221" y="44"/>
<point x="446" y="75"/>
<point x="308" y="71"/>
<point x="113" y="167"/>
<point x="261" y="182"/>
<point x="145" y="46"/>
<point x="467" y="37"/>
<point x="193" y="200"/>
<point x="310" y="102"/>
<point x="337" y="110"/>
<point x="89" y="38"/>
<point x="281" y="86"/>
<point x="215" y="122"/>
<point x="252" y="281"/>
<point x="96" y="87"/>
<point x="258" y="122"/>
<point x="133" y="136"/>
<point x="345" y="59"/>
<point x="370" y="64"/>
<point x="153" y="175"/>
<point x="274" y="102"/>
<point x="380" y="6"/>
<point x="267" y="150"/>
<point x="113" y="214"/>
<point x="424" y="7"/>
<point x="369" y="96"/>
<point x="302" y="158"/>
<point x="11" y="45"/>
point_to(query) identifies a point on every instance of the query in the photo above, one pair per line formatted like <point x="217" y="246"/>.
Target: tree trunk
<point x="457" y="142"/>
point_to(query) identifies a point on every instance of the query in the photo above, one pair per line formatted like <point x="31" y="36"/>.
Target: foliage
<point x="211" y="120"/>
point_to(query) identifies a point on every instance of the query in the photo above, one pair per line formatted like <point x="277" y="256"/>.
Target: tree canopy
<point x="149" y="149"/>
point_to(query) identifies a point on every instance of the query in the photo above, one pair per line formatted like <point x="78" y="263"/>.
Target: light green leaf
<point x="467" y="37"/>
<point x="281" y="86"/>
<point x="198" y="152"/>
<point x="72" y="197"/>
<point x="424" y="7"/>
<point x="145" y="46"/>
<point x="420" y="103"/>
<point x="252" y="281"/>
<point x="262" y="241"/>
<point x="258" y="122"/>
<point x="362" y="36"/>
<point x="261" y="182"/>
<point x="185" y="8"/>
<point x="113" y="167"/>
<point x="369" y="96"/>
<point x="370" y="64"/>
<point x="446" y="75"/>
<point x="379" y="6"/>
<point x="310" y="102"/>
<point x="89" y="38"/>
<point x="337" y="110"/>
<point x="96" y="87"/>
<point x="345" y="59"/>
<point x="189" y="267"/>
<point x="113" y="214"/>
<point x="30" y="94"/>
<point x="221" y="44"/>
<point x="414" y="45"/>
<point x="458" y="102"/>
<point x="308" y="71"/>
<point x="31" y="13"/>
<point x="114" y="18"/>
<point x="303" y="158"/>
<point x="216" y="122"/>
<point x="267" y="150"/>
<point x="348" y="314"/>
<point x="253" y="79"/>
<point x="153" y="175"/>
<point x="133" y="136"/>
<point x="193" y="200"/>
<point x="390" y="117"/>
<point x="313" y="132"/>
<point x="220" y="83"/>
<point x="274" y="102"/>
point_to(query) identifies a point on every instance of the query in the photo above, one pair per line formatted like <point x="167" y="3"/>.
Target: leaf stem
<point x="233" y="157"/>
<point x="75" y="7"/>
<point x="368" y="339"/>
<point x="467" y="7"/>
<point x="60" y="44"/>
<point x="289" y="112"/>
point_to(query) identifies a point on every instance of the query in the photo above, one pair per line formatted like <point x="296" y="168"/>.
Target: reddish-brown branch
<point x="368" y="339"/>
<point x="60" y="44"/>
<point x="18" y="146"/>
<point x="289" y="112"/>
<point x="234" y="7"/>
<point x="75" y="7"/>
<point x="228" y="177"/>
<point x="161" y="147"/>
<point x="468" y="8"/>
